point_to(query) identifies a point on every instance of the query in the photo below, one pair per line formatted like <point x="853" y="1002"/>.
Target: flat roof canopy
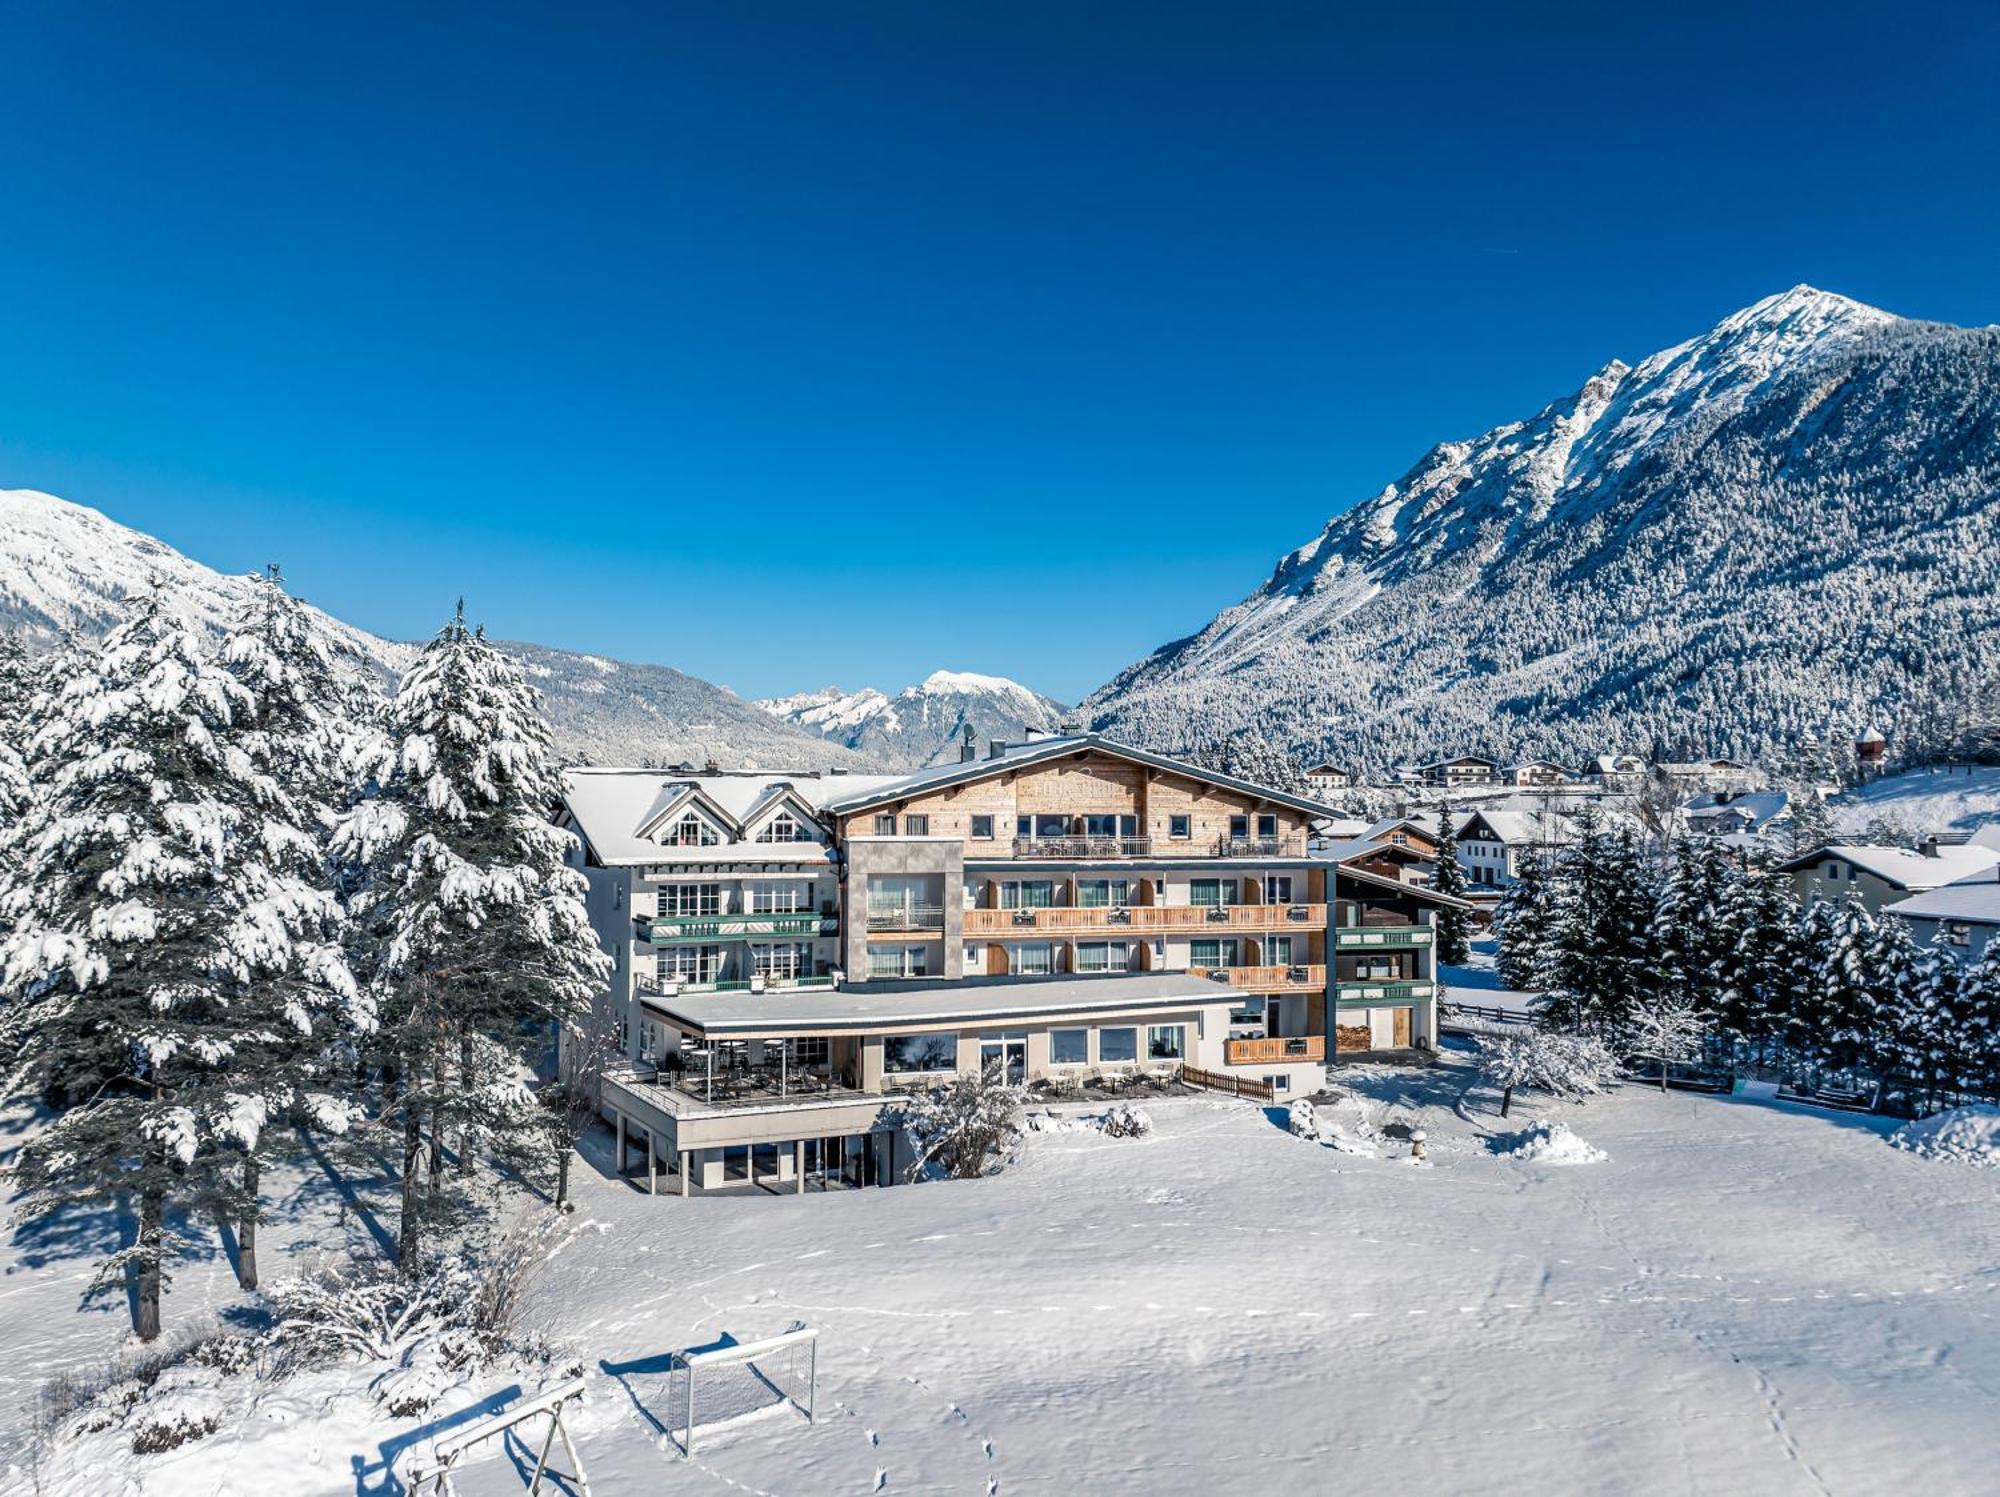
<point x="867" y="1007"/>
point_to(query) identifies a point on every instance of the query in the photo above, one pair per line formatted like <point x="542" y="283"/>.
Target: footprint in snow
<point x="881" y="1479"/>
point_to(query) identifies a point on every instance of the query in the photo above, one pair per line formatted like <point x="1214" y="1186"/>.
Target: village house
<point x="1325" y="779"/>
<point x="1881" y="876"/>
<point x="1493" y="844"/>
<point x="792" y="950"/>
<point x="1539" y="774"/>
<point x="1961" y="918"/>
<point x="1463" y="771"/>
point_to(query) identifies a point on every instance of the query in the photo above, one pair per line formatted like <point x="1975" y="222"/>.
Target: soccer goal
<point x="713" y="1385"/>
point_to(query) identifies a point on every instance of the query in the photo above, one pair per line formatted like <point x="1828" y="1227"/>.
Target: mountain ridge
<point x="921" y="724"/>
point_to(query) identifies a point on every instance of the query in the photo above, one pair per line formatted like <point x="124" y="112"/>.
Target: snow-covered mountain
<point x="921" y="724"/>
<point x="1788" y="524"/>
<point x="64" y="567"/>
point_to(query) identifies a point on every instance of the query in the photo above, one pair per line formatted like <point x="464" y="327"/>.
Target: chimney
<point x="714" y="766"/>
<point x="996" y="748"/>
<point x="967" y="752"/>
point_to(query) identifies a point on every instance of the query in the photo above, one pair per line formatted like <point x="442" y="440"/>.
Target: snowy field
<point x="1740" y="1297"/>
<point x="1961" y="800"/>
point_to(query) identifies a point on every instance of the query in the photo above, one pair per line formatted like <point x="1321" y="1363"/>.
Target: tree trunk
<point x="562" y="1173"/>
<point x="246" y="1229"/>
<point x="1506" y="1099"/>
<point x="465" y="1162"/>
<point x="146" y="1318"/>
<point x="410" y="1229"/>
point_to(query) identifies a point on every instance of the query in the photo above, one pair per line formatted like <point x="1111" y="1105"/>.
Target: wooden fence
<point x="1236" y="1086"/>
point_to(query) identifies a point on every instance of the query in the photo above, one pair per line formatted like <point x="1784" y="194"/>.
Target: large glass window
<point x="982" y="828"/>
<point x="1115" y="1045"/>
<point x="1031" y="958"/>
<point x="784" y="827"/>
<point x="898" y="961"/>
<point x="1267" y="825"/>
<point x="1213" y="892"/>
<point x="1051" y="826"/>
<point x="1027" y="894"/>
<point x="781" y="961"/>
<point x="688" y="963"/>
<point x="1069" y="1047"/>
<point x="905" y="1053"/>
<point x="1163" y="1042"/>
<point x="1278" y="888"/>
<point x="1277" y="951"/>
<point x="691" y="831"/>
<point x="1101" y="956"/>
<point x="780" y="899"/>
<point x="1239" y="826"/>
<point x="690" y="899"/>
<point x="1100" y="893"/>
<point x="1211" y="951"/>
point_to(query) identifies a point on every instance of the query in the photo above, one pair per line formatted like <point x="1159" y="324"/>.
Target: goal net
<point x="736" y="1380"/>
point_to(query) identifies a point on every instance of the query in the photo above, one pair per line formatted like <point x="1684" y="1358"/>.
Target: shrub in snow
<point x="1302" y="1121"/>
<point x="1566" y="1065"/>
<point x="1549" y="1143"/>
<point x="1964" y="1135"/>
<point x="1123" y="1120"/>
<point x="957" y="1127"/>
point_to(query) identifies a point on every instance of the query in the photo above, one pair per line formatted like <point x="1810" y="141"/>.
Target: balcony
<point x="1365" y="991"/>
<point x="1083" y="847"/>
<point x="671" y="930"/>
<point x="905" y="917"/>
<point x="1146" y="919"/>
<point x="1267" y="979"/>
<point x="648" y="983"/>
<point x="1381" y="937"/>
<point x="1260" y="847"/>
<point x="1267" y="1052"/>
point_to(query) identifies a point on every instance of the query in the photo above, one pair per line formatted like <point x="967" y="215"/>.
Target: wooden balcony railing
<point x="1381" y="937"/>
<point x="1267" y="979"/>
<point x="1148" y="918"/>
<point x="1308" y="1047"/>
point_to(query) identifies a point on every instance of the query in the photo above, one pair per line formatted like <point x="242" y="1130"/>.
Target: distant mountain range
<point x="921" y="724"/>
<point x="67" y="568"/>
<point x="1788" y="525"/>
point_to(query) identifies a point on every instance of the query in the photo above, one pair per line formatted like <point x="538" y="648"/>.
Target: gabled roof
<point x="1415" y="891"/>
<point x="675" y="799"/>
<point x="615" y="810"/>
<point x="1044" y="750"/>
<point x="1328" y="769"/>
<point x="1521" y="828"/>
<point x="1388" y="824"/>
<point x="1974" y="899"/>
<point x="1901" y="868"/>
<point x="1460" y="759"/>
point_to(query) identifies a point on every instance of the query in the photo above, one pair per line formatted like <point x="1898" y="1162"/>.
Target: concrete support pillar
<point x="799" y="1163"/>
<point x="652" y="1166"/>
<point x="619" y="1168"/>
<point x="688" y="1159"/>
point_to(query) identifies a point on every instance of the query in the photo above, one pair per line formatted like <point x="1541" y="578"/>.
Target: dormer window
<point x="690" y="831"/>
<point x="784" y="827"/>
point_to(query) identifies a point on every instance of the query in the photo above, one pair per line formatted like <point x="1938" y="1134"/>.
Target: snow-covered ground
<point x="1960" y="799"/>
<point x="1478" y="981"/>
<point x="1739" y="1297"/>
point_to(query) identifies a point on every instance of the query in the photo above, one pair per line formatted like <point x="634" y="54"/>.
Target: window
<point x="1027" y="894"/>
<point x="681" y="900"/>
<point x="1213" y="892"/>
<point x="1103" y="893"/>
<point x="1101" y="956"/>
<point x="1115" y="1045"/>
<point x="1239" y="827"/>
<point x="1279" y="1083"/>
<point x="971" y="958"/>
<point x="1163" y="1042"/>
<point x="898" y="961"/>
<point x="1180" y="828"/>
<point x="1069" y="1047"/>
<point x="885" y="826"/>
<point x="1955" y="933"/>
<point x="780" y="899"/>
<point x="1277" y="951"/>
<point x="690" y="831"/>
<point x="904" y="1053"/>
<point x="1212" y="952"/>
<point x="916" y="826"/>
<point x="1278" y="888"/>
<point x="784" y="827"/>
<point x="1100" y="826"/>
<point x="1267" y="826"/>
<point x="1051" y="826"/>
<point x="688" y="964"/>
<point x="784" y="962"/>
<point x="1032" y="958"/>
<point x="982" y="828"/>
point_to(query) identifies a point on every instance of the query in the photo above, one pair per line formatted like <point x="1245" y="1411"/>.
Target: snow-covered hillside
<point x="1944" y="798"/>
<point x="1790" y="523"/>
<point x="921" y="724"/>
<point x="65" y="567"/>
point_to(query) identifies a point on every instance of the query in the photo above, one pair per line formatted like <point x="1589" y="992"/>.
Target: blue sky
<point x="797" y="343"/>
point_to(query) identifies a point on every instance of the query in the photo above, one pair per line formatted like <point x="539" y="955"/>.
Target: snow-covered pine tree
<point x="1811" y="823"/>
<point x="1840" y="1031"/>
<point x="17" y="686"/>
<point x="1522" y="920"/>
<point x="152" y="904"/>
<point x="1593" y="966"/>
<point x="1454" y="925"/>
<point x="1925" y="1026"/>
<point x="1690" y="932"/>
<point x="300" y="733"/>
<point x="1977" y="1026"/>
<point x="483" y="945"/>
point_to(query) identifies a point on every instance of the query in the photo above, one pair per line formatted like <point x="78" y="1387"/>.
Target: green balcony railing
<point x="1365" y="992"/>
<point x="670" y="930"/>
<point x="1381" y="937"/>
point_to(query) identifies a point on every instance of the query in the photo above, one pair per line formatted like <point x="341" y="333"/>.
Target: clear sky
<point x="849" y="339"/>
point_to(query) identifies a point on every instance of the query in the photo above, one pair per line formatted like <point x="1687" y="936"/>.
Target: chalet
<point x="1539" y="774"/>
<point x="1466" y="769"/>
<point x="1881" y="876"/>
<point x="789" y="951"/>
<point x="1719" y="776"/>
<point x="1325" y="779"/>
<point x="1961" y="917"/>
<point x="1617" y="769"/>
<point x="1730" y="813"/>
<point x="1493" y="844"/>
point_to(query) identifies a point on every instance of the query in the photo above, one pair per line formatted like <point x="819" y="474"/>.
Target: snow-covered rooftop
<point x="612" y="805"/>
<point x="1974" y="898"/>
<point x="1906" y="869"/>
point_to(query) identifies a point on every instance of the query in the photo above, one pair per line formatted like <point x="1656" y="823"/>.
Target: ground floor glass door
<point x="1009" y="1052"/>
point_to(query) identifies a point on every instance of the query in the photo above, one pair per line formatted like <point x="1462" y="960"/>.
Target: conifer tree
<point x="1594" y="963"/>
<point x="152" y="908"/>
<point x="483" y="945"/>
<point x="1522" y="920"/>
<point x="1977" y="1025"/>
<point x="1454" y="924"/>
<point x="1927" y="1023"/>
<point x="1839" y="1031"/>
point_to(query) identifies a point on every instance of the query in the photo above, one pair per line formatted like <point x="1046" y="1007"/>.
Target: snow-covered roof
<point x="873" y="791"/>
<point x="1903" y="868"/>
<point x="1759" y="808"/>
<point x="613" y="808"/>
<point x="1521" y="828"/>
<point x="1380" y="830"/>
<point x="863" y="1006"/>
<point x="1974" y="899"/>
<point x="1617" y="763"/>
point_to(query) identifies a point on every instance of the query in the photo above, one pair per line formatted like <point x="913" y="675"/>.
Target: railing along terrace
<point x="1260" y="847"/>
<point x="906" y="917"/>
<point x="1083" y="847"/>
